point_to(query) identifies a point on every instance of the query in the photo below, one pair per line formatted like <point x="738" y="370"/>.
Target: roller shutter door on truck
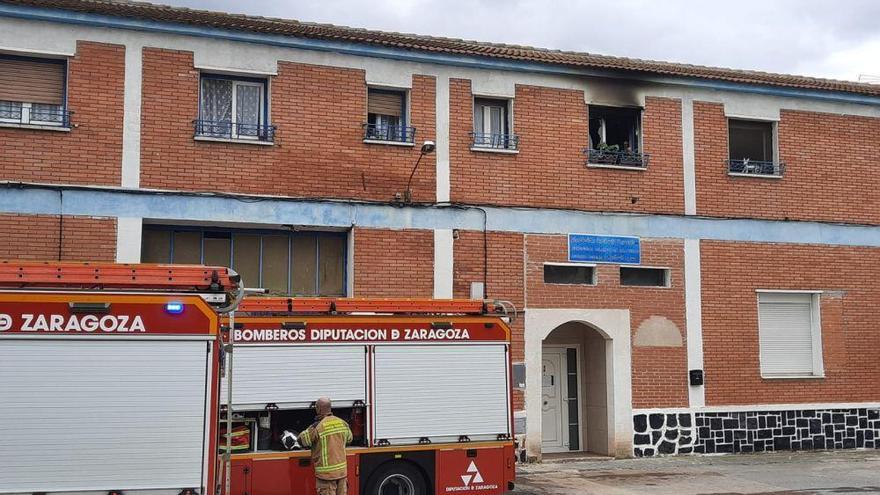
<point x="291" y="376"/>
<point x="441" y="392"/>
<point x="103" y="415"/>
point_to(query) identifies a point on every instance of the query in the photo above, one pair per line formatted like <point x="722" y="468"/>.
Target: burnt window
<point x="569" y="274"/>
<point x="644" y="277"/>
<point x="615" y="136"/>
<point x="752" y="147"/>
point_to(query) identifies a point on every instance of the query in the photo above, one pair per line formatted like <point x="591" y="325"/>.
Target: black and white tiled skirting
<point x="758" y="431"/>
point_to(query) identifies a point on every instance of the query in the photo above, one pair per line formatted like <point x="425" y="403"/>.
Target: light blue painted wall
<point x="175" y="207"/>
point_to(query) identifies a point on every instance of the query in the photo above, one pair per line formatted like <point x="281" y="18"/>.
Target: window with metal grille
<point x="386" y="116"/>
<point x="492" y="124"/>
<point x="33" y="91"/>
<point x="615" y="137"/>
<point x="752" y="148"/>
<point x="644" y="277"/>
<point x="296" y="263"/>
<point x="789" y="334"/>
<point x="233" y="108"/>
<point x="572" y="274"/>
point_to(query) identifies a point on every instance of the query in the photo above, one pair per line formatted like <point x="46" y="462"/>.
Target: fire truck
<point x="109" y="377"/>
<point x="424" y="384"/>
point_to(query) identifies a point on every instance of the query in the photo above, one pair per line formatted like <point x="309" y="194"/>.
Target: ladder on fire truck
<point x="220" y="287"/>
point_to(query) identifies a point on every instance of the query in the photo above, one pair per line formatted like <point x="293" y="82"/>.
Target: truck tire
<point x="397" y="478"/>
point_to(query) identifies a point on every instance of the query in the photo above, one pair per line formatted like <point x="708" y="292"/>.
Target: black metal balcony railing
<point x="632" y="159"/>
<point x="392" y="133"/>
<point x="234" y="130"/>
<point x="755" y="167"/>
<point x="37" y="116"/>
<point x="495" y="141"/>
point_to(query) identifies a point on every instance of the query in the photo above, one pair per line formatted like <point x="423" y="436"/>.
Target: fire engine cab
<point x="424" y="384"/>
<point x="108" y="377"/>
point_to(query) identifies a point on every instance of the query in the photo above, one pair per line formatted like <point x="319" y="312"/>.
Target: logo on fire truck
<point x="472" y="480"/>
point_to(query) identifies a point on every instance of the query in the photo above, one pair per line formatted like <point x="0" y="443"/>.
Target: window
<point x="32" y="91"/>
<point x="569" y="274"/>
<point x="492" y="124"/>
<point x="615" y="137"/>
<point x="644" y="277"/>
<point x="386" y="117"/>
<point x="233" y="108"/>
<point x="752" y="148"/>
<point x="297" y="263"/>
<point x="790" y="334"/>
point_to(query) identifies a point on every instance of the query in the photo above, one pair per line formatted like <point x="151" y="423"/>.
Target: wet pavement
<point x="795" y="473"/>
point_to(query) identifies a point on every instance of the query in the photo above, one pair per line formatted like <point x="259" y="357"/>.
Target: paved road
<point x="819" y="473"/>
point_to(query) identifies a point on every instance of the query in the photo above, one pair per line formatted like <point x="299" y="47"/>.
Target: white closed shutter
<point x="788" y="335"/>
<point x="293" y="376"/>
<point x="101" y="415"/>
<point x="441" y="392"/>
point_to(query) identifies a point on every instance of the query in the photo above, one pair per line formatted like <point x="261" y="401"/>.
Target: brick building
<point x="693" y="250"/>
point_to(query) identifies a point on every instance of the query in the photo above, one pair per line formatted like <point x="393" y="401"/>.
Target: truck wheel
<point x="397" y="478"/>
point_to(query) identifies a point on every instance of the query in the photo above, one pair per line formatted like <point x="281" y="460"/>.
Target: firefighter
<point x="327" y="437"/>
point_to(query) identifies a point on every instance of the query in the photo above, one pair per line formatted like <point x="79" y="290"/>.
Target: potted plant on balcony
<point x="604" y="154"/>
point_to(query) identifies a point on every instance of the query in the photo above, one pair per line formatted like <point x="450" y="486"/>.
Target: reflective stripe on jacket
<point x="327" y="438"/>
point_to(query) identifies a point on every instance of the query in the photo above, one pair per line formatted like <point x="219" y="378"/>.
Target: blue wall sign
<point x="604" y="249"/>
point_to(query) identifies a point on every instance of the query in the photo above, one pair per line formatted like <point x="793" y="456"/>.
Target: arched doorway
<point x="578" y="393"/>
<point x="574" y="405"/>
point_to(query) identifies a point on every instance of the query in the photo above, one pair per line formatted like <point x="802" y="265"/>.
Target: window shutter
<point x="786" y="335"/>
<point x="32" y="81"/>
<point x="385" y="103"/>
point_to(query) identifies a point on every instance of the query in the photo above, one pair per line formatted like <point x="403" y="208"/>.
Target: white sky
<point x="825" y="38"/>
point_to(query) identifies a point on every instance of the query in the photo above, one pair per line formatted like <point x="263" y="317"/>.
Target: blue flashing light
<point x="174" y="308"/>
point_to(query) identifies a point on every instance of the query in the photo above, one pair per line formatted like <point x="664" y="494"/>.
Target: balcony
<point x="391" y="134"/>
<point x="233" y="131"/>
<point x="755" y="168"/>
<point x="495" y="142"/>
<point x="617" y="159"/>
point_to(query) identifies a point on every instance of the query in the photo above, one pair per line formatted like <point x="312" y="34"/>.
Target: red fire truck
<point x="108" y="377"/>
<point x="424" y="384"/>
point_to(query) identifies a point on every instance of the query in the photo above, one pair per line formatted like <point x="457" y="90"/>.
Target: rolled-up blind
<point x="383" y="103"/>
<point x="32" y="81"/>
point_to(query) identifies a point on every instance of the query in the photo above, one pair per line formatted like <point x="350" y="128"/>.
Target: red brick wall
<point x="849" y="312"/>
<point x="35" y="237"/>
<point x="829" y="174"/>
<point x="550" y="169"/>
<point x="659" y="373"/>
<point x="91" y="153"/>
<point x="318" y="150"/>
<point x="393" y="263"/>
<point x="504" y="278"/>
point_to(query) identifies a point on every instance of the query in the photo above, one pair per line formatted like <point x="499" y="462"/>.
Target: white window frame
<point x="593" y="282"/>
<point x="815" y="332"/>
<point x="506" y="106"/>
<point x="261" y="116"/>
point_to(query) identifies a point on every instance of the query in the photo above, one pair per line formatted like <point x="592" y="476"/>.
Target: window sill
<point x="389" y="143"/>
<point x="39" y="127"/>
<point x="754" y="176"/>
<point x="617" y="167"/>
<point x="503" y="151"/>
<point x="794" y="377"/>
<point x="235" y="141"/>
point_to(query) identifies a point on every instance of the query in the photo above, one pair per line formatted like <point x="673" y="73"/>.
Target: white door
<point x="552" y="417"/>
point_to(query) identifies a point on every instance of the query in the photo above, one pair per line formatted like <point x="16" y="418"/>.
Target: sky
<point x="823" y="38"/>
